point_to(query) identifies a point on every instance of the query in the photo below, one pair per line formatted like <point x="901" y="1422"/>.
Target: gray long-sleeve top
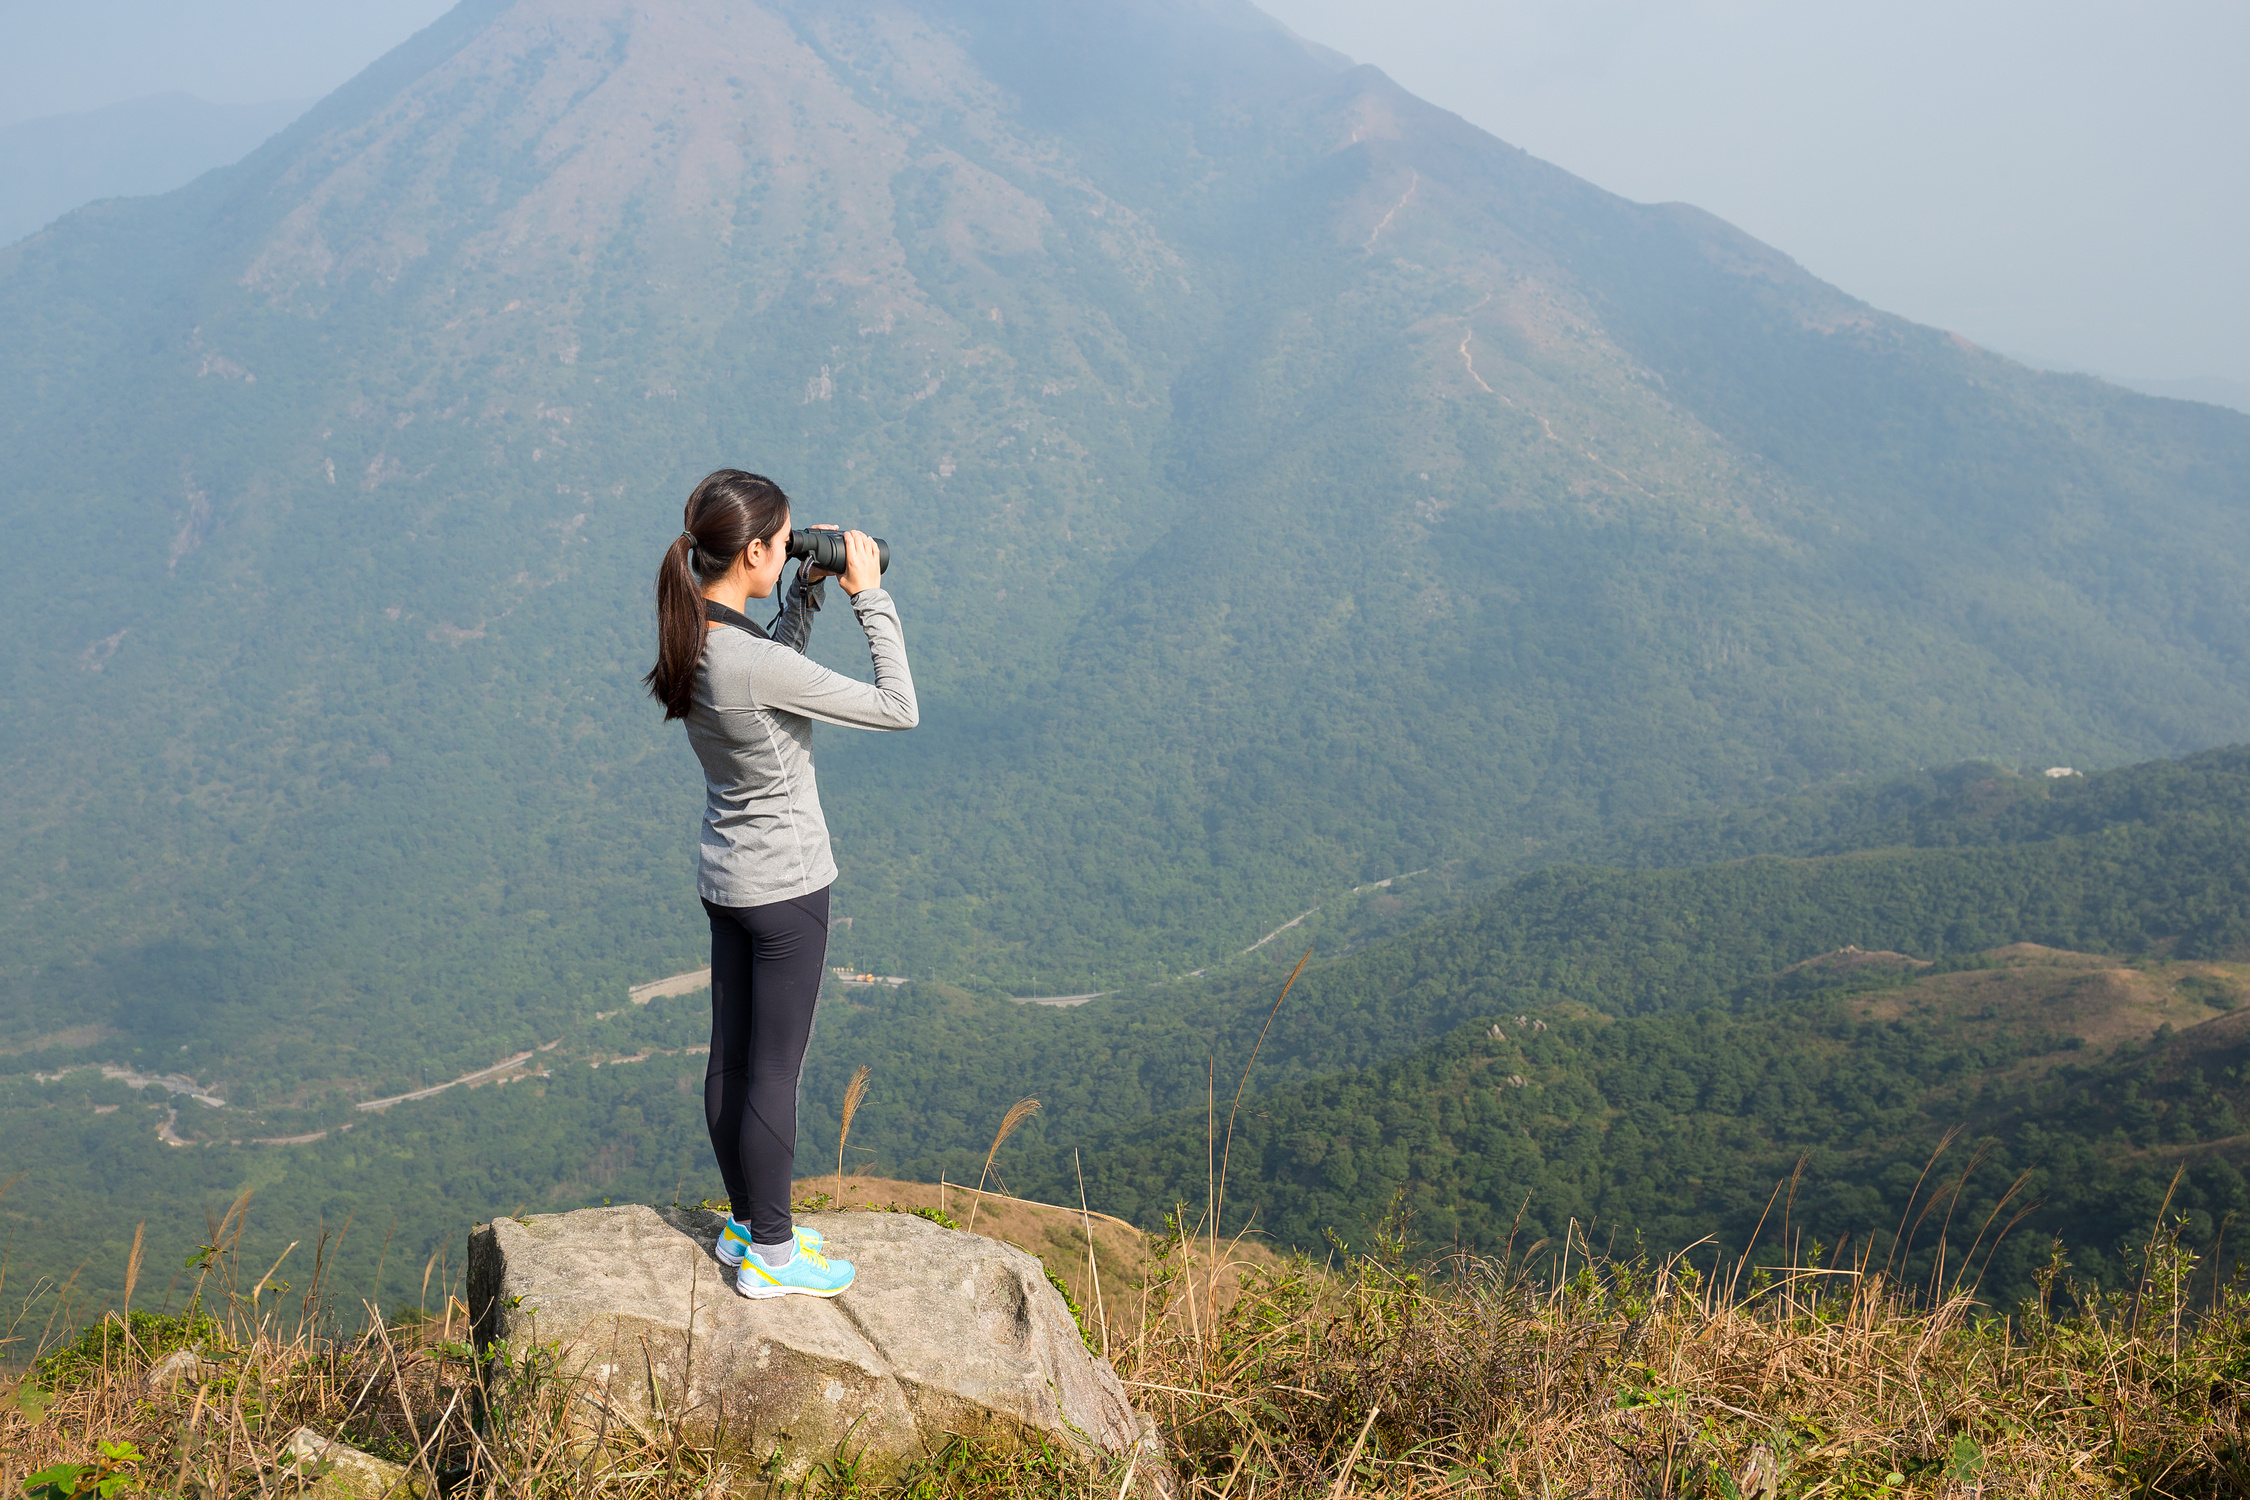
<point x="764" y="836"/>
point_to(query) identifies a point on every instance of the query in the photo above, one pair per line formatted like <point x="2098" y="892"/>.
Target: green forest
<point x="2047" y="972"/>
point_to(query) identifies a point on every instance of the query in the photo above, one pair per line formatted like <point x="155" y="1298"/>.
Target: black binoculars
<point x="825" y="550"/>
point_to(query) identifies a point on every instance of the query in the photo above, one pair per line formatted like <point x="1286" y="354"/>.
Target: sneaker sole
<point x="763" y="1292"/>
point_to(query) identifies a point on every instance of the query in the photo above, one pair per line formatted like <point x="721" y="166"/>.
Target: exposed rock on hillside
<point x="341" y="1472"/>
<point x="943" y="1333"/>
<point x="1851" y="957"/>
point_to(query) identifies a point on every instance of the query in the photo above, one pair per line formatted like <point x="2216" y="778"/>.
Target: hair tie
<point x="689" y="538"/>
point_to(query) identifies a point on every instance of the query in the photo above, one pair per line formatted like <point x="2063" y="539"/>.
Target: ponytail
<point x="728" y="511"/>
<point x="679" y="631"/>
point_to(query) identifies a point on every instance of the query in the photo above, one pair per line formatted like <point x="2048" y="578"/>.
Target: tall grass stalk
<point x="133" y="1267"/>
<point x="1226" y="1154"/>
<point x="854" y="1092"/>
<point x="1018" y="1112"/>
<point x="1219" y="1158"/>
<point x="1093" y="1261"/>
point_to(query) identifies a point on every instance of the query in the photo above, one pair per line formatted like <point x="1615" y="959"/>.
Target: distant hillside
<point x="54" y="164"/>
<point x="1652" y="1051"/>
<point x="2214" y="390"/>
<point x="2143" y="861"/>
<point x="2211" y="390"/>
<point x="2089" y="1078"/>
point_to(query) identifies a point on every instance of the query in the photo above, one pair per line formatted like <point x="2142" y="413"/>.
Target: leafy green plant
<point x="1086" y="1336"/>
<point x="107" y="1476"/>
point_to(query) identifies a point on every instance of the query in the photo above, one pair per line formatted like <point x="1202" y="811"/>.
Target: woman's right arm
<point x="792" y="627"/>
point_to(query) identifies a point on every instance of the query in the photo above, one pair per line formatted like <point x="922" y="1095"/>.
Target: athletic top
<point x="764" y="837"/>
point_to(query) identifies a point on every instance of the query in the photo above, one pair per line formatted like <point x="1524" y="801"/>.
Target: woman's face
<point x="762" y="561"/>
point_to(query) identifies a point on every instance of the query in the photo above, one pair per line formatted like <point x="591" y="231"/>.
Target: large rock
<point x="943" y="1333"/>
<point x="341" y="1472"/>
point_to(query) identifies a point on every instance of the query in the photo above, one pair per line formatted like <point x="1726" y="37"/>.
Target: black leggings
<point x="765" y="979"/>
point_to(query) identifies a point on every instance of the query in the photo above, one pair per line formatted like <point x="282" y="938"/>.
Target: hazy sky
<point x="2064" y="180"/>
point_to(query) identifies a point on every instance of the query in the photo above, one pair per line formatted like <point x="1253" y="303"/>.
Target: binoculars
<point x="825" y="550"/>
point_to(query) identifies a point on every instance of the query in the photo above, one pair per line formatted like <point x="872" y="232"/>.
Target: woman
<point x="749" y="697"/>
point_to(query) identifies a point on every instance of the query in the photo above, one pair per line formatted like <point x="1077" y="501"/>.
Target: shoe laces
<point x="809" y="1253"/>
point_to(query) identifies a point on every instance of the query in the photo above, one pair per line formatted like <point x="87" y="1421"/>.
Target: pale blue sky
<point x="2063" y="180"/>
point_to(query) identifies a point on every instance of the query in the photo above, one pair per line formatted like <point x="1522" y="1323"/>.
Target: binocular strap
<point x="719" y="614"/>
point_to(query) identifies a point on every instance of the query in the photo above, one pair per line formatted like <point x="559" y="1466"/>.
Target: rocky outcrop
<point x="943" y="1333"/>
<point x="182" y="1367"/>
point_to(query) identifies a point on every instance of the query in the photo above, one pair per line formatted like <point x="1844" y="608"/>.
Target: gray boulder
<point x="943" y="1333"/>
<point x="182" y="1367"/>
<point x="341" y="1472"/>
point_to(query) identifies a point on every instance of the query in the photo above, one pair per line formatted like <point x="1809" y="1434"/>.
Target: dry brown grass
<point x="1551" y="1373"/>
<point x="1018" y="1112"/>
<point x="1548" y="1376"/>
<point x="853" y="1094"/>
<point x="2089" y="1004"/>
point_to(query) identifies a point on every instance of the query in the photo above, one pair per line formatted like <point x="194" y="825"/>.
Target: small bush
<point x="132" y="1343"/>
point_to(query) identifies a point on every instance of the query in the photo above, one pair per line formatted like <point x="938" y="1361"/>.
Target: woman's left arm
<point x="800" y="685"/>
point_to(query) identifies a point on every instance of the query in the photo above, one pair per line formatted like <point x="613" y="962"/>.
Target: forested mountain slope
<point x="2089" y="1094"/>
<point x="1650" y="1052"/>
<point x="2058" y="971"/>
<point x="1291" y="485"/>
<point x="2148" y="860"/>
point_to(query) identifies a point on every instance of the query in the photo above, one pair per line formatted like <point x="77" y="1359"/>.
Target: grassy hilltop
<point x="1545" y="1367"/>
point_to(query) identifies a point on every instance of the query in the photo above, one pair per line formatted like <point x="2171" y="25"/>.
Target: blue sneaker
<point x="734" y="1242"/>
<point x="809" y="1273"/>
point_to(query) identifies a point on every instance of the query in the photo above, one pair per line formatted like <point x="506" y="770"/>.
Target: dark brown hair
<point x="728" y="511"/>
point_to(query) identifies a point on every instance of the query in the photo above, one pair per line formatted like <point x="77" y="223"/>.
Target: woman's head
<point x="733" y="518"/>
<point x="728" y="511"/>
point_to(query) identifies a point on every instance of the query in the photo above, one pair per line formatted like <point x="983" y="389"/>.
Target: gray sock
<point x="776" y="1256"/>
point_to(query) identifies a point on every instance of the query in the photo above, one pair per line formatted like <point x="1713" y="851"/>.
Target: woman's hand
<point x="863" y="565"/>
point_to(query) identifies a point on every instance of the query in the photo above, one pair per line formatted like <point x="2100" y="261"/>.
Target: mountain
<point x="2211" y="390"/>
<point x="51" y="165"/>
<point x="2214" y="390"/>
<point x="1292" y="487"/>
